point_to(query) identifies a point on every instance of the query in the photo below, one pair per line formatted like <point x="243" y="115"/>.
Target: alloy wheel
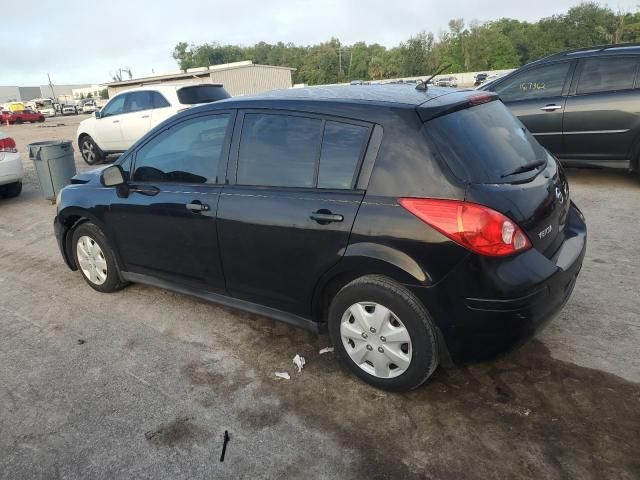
<point x="376" y="339"/>
<point x="88" y="151"/>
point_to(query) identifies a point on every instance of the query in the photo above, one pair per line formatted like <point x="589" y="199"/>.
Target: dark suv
<point x="582" y="105"/>
<point x="417" y="226"/>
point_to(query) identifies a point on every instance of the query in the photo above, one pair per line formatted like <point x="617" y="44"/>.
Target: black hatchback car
<point x="416" y="226"/>
<point x="582" y="105"/>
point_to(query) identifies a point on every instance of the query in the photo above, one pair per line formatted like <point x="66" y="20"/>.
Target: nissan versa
<point x="416" y="225"/>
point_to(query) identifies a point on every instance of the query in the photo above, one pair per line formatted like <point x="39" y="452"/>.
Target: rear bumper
<point x="489" y="306"/>
<point x="10" y="168"/>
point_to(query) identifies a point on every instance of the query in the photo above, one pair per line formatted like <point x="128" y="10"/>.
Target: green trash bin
<point x="54" y="164"/>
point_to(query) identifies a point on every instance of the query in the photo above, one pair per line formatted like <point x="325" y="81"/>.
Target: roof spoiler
<point x="452" y="102"/>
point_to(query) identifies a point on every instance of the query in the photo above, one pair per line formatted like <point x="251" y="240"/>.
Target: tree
<point x="104" y="94"/>
<point x="89" y="95"/>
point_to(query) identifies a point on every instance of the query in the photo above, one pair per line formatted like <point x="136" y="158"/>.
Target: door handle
<point x="551" y="108"/>
<point x="197" y="207"/>
<point x="324" y="217"/>
<point x="145" y="116"/>
<point x="116" y="121"/>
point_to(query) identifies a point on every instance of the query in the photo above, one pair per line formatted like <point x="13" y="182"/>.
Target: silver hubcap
<point x="91" y="260"/>
<point x="88" y="151"/>
<point x="376" y="340"/>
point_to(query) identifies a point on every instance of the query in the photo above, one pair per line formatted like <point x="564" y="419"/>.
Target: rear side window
<point x="342" y="147"/>
<point x="537" y="82"/>
<point x="201" y="94"/>
<point x="159" y="101"/>
<point x="279" y="150"/>
<point x="485" y="144"/>
<point x="605" y="74"/>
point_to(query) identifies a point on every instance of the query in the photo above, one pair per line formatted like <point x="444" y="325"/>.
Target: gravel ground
<point x="143" y="383"/>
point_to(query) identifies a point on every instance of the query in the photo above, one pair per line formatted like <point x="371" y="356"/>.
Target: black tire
<point x="112" y="283"/>
<point x="87" y="145"/>
<point x="408" y="309"/>
<point x="11" y="190"/>
<point x="18" y="121"/>
<point x="41" y="119"/>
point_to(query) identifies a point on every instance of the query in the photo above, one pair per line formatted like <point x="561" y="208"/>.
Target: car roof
<point x="399" y="94"/>
<point x="595" y="51"/>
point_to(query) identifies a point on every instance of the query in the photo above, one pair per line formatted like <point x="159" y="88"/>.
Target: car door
<point x="601" y="120"/>
<point x="286" y="217"/>
<point x="162" y="109"/>
<point x="107" y="131"/>
<point x="136" y="119"/>
<point x="537" y="96"/>
<point x="165" y="225"/>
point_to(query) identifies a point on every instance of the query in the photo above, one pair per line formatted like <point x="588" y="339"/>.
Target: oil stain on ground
<point x="180" y="432"/>
<point x="525" y="415"/>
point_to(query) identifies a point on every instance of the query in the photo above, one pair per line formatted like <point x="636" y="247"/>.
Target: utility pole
<point x="350" y="62"/>
<point x="53" y="94"/>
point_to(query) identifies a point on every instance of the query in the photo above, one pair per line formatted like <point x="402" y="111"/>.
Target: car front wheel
<point x="383" y="334"/>
<point x="91" y="153"/>
<point x="95" y="259"/>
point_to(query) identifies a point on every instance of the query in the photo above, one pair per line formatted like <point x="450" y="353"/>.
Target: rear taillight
<point x="476" y="227"/>
<point x="8" y="145"/>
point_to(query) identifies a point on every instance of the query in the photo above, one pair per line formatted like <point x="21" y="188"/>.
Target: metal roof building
<point x="239" y="78"/>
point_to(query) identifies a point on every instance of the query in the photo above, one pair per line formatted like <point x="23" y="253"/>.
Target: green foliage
<point x="500" y="44"/>
<point x="104" y="94"/>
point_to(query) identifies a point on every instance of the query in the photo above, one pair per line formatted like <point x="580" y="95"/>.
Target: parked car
<point x="10" y="167"/>
<point x="69" y="110"/>
<point x="448" y="82"/>
<point x="416" y="226"/>
<point x="21" y="116"/>
<point x="130" y="114"/>
<point x="480" y="79"/>
<point x="582" y="105"/>
<point x="89" y="107"/>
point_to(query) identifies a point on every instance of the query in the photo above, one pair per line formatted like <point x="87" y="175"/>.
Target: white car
<point x="131" y="114"/>
<point x="10" y="167"/>
<point x="89" y="107"/>
<point x="69" y="110"/>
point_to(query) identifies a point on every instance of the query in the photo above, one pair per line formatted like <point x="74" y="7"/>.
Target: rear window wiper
<point x="525" y="168"/>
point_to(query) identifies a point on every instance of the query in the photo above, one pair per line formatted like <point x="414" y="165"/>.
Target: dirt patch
<point x="260" y="418"/>
<point x="180" y="431"/>
<point x="525" y="415"/>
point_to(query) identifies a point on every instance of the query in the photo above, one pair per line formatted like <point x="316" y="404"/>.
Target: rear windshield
<point x="201" y="94"/>
<point x="485" y="144"/>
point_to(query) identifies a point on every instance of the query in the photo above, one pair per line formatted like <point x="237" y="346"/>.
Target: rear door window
<point x="138" y="101"/>
<point x="279" y="150"/>
<point x="342" y="148"/>
<point x="159" y="101"/>
<point x="485" y="144"/>
<point x="537" y="82"/>
<point x="606" y="74"/>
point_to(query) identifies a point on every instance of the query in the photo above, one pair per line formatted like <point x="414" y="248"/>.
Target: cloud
<point x="83" y="41"/>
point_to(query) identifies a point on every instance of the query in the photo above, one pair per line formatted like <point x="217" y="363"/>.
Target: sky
<point x="85" y="41"/>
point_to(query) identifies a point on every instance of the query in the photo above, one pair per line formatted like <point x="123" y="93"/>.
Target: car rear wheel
<point x="18" y="121"/>
<point x="41" y="119"/>
<point x="95" y="259"/>
<point x="91" y="153"/>
<point x="383" y="334"/>
<point x="11" y="190"/>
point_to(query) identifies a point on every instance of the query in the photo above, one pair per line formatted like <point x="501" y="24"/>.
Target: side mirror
<point x="112" y="176"/>
<point x="96" y="114"/>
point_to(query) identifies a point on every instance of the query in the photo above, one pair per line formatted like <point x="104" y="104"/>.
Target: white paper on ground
<point x="299" y="362"/>
<point x="326" y="350"/>
<point x="284" y="375"/>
